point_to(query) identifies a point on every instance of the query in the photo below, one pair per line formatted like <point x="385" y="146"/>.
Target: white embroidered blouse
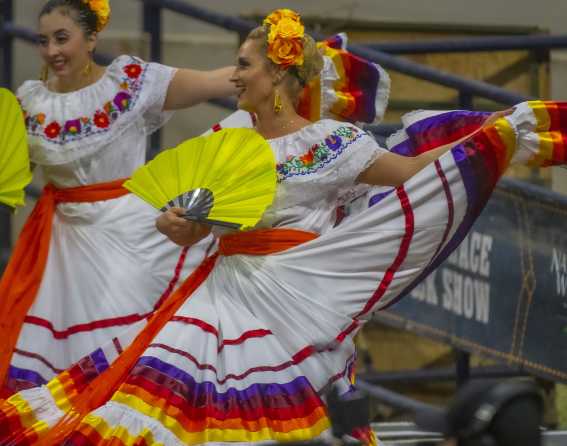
<point x="316" y="166"/>
<point x="98" y="133"/>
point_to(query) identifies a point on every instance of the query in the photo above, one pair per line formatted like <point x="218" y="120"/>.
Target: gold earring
<point x="44" y="73"/>
<point x="277" y="102"/>
<point x="88" y="69"/>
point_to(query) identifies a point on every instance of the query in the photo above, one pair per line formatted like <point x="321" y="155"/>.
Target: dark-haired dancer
<point x="89" y="263"/>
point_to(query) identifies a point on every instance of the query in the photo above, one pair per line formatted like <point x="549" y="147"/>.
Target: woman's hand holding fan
<point x="180" y="230"/>
<point x="227" y="179"/>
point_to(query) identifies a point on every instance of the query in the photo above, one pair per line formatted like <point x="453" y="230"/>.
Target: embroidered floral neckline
<point x="319" y="155"/>
<point x="100" y="121"/>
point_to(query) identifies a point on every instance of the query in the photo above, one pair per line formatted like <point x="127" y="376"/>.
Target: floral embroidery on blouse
<point x="319" y="155"/>
<point x="102" y="119"/>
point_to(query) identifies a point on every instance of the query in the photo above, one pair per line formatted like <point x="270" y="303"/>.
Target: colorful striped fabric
<point x="220" y="372"/>
<point x="482" y="159"/>
<point x="22" y="425"/>
<point x="349" y="89"/>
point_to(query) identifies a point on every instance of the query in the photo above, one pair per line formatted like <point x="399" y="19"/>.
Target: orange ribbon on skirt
<point x="101" y="389"/>
<point x="24" y="272"/>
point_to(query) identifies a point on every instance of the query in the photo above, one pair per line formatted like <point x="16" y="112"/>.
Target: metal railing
<point x="468" y="89"/>
<point x="493" y="43"/>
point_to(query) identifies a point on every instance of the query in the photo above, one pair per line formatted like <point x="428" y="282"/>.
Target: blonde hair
<point x="304" y="73"/>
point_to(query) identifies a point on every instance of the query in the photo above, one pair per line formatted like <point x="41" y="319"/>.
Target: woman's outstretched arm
<point x="190" y="87"/>
<point x="391" y="169"/>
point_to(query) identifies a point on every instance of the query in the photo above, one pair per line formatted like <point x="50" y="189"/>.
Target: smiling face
<point x="254" y="77"/>
<point x="63" y="44"/>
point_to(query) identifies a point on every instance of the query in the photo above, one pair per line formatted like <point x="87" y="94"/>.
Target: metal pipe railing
<point x="493" y="43"/>
<point x="6" y="43"/>
<point x="437" y="374"/>
<point x="467" y="88"/>
<point x="152" y="24"/>
<point x="6" y="78"/>
<point x="227" y="22"/>
<point x="390" y="398"/>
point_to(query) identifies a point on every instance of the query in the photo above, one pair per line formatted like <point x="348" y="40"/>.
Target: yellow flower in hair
<point x="286" y="28"/>
<point x="102" y="10"/>
<point x="286" y="52"/>
<point x="285" y="37"/>
<point x="279" y="14"/>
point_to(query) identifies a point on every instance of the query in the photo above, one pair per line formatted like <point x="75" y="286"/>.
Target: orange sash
<point x="262" y="242"/>
<point x="101" y="389"/>
<point x="24" y="272"/>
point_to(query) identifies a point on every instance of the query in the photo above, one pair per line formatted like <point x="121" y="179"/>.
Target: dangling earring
<point x="277" y="102"/>
<point x="44" y="73"/>
<point x="89" y="68"/>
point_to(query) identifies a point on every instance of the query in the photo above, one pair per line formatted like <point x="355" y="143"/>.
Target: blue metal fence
<point x="468" y="89"/>
<point x="493" y="43"/>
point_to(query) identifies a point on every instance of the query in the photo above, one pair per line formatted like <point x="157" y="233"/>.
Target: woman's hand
<point x="179" y="230"/>
<point x="496" y="116"/>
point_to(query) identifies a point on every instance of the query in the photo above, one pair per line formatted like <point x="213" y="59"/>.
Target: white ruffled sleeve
<point x="154" y="94"/>
<point x="337" y="153"/>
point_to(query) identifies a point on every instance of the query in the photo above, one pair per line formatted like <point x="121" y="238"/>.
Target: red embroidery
<point x="101" y="120"/>
<point x="133" y="70"/>
<point x="52" y="130"/>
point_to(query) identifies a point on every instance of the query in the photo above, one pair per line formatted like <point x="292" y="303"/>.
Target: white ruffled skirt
<point x="250" y="354"/>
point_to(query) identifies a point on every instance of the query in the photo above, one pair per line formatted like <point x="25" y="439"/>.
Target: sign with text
<point x="503" y="292"/>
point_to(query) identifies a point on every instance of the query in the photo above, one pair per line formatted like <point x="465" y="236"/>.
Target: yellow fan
<point x="227" y="178"/>
<point x="15" y="171"/>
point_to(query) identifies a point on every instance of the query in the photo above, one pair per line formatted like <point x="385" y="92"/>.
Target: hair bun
<point x="312" y="60"/>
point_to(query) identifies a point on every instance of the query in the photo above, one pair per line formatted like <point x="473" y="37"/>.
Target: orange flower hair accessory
<point x="279" y="14"/>
<point x="102" y="10"/>
<point x="285" y="37"/>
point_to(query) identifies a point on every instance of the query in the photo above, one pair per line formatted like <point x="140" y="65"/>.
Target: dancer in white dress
<point x="89" y="262"/>
<point x="245" y="349"/>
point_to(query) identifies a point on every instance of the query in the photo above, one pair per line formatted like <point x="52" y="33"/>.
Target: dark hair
<point x="78" y="10"/>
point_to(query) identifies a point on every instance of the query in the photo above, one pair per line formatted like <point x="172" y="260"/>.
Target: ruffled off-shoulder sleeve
<point x="336" y="154"/>
<point x="154" y="94"/>
<point x="65" y="127"/>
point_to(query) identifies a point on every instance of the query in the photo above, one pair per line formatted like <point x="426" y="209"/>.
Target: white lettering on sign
<point x="559" y="268"/>
<point x="462" y="286"/>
